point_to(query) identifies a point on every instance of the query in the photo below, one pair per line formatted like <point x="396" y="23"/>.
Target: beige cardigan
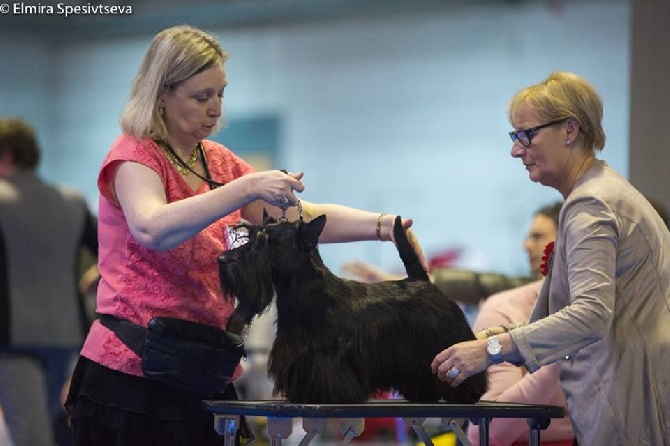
<point x="604" y="314"/>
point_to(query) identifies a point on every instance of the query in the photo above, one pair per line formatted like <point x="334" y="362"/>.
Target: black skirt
<point x="108" y="407"/>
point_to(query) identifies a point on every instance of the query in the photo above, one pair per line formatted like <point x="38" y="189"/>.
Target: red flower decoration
<point x="544" y="269"/>
<point x="443" y="259"/>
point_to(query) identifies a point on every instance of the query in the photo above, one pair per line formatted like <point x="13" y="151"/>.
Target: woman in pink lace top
<point x="167" y="197"/>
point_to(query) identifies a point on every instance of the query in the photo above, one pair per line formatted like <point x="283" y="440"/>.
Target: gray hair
<point x="565" y="95"/>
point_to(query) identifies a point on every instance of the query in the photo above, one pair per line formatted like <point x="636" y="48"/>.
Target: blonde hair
<point x="174" y="55"/>
<point x="565" y="95"/>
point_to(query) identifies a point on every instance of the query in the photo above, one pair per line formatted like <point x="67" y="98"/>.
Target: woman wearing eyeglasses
<point x="603" y="314"/>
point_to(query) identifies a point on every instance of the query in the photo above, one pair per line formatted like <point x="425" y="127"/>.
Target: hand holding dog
<point x="413" y="241"/>
<point x="369" y="273"/>
<point x="275" y="187"/>
<point x="468" y="358"/>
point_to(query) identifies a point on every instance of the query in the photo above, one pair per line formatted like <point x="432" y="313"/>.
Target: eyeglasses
<point x="525" y="136"/>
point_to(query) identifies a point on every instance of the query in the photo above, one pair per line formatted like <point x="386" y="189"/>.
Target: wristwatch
<point x="493" y="348"/>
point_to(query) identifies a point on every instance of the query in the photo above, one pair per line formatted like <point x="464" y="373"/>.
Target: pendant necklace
<point x="183" y="167"/>
<point x="186" y="168"/>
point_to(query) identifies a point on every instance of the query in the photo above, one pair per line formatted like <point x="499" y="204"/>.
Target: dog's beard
<point x="248" y="277"/>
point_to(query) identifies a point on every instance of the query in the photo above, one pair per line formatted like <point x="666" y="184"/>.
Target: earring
<point x="161" y="111"/>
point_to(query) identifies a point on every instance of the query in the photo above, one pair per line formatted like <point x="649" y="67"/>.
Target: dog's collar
<point x="283" y="218"/>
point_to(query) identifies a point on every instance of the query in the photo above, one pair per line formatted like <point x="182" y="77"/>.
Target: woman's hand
<point x="275" y="187"/>
<point x="460" y="361"/>
<point x="413" y="241"/>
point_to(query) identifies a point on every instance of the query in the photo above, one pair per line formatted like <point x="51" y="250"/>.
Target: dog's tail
<point x="408" y="256"/>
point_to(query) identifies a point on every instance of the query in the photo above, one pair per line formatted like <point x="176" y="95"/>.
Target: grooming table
<point x="281" y="413"/>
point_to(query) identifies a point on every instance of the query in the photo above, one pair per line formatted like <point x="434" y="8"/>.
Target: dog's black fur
<point x="341" y="341"/>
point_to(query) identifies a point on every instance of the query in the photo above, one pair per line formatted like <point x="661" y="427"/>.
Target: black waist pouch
<point x="183" y="355"/>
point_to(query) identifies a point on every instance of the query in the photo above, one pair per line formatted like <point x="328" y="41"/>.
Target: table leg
<point x="350" y="428"/>
<point x="417" y="425"/>
<point x="312" y="427"/>
<point x="483" y="424"/>
<point x="536" y="425"/>
<point x="226" y="425"/>
<point x="456" y="426"/>
<point x="279" y="429"/>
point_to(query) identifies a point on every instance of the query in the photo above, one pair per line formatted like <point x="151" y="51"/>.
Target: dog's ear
<point x="309" y="232"/>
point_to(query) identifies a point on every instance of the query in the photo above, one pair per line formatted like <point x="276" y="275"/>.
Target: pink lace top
<point x="137" y="282"/>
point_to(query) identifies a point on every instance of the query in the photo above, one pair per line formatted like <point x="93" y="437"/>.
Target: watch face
<point x="494" y="347"/>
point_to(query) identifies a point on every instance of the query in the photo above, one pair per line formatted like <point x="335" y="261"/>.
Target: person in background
<point x="508" y="383"/>
<point x="542" y="231"/>
<point x="167" y="197"/>
<point x="604" y="308"/>
<point x="538" y="236"/>
<point x="43" y="230"/>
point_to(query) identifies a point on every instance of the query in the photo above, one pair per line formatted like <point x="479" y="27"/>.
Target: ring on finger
<point x="453" y="373"/>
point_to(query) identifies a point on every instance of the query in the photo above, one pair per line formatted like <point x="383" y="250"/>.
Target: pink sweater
<point x="514" y="384"/>
<point x="139" y="283"/>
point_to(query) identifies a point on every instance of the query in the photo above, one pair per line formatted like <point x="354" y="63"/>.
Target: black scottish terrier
<point x="341" y="341"/>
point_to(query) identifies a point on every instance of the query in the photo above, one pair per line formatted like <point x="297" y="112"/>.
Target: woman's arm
<point x="498" y="310"/>
<point x="346" y="224"/>
<point x="507" y="382"/>
<point x="582" y="277"/>
<point x="343" y="224"/>
<point x="160" y="225"/>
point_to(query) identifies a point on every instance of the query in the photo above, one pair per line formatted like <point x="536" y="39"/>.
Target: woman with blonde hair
<point x="167" y="197"/>
<point x="604" y="309"/>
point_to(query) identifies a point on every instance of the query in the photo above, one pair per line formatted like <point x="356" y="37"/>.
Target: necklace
<point x="183" y="167"/>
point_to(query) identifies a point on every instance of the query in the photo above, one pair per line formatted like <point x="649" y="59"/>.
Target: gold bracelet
<point x="487" y="332"/>
<point x="379" y="226"/>
<point x="508" y="327"/>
